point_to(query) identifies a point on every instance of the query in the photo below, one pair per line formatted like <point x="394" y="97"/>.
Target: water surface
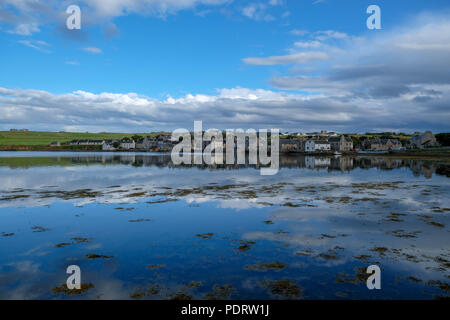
<point x="141" y="228"/>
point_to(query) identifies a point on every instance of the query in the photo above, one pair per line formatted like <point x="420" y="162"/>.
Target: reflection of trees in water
<point x="443" y="170"/>
<point x="341" y="163"/>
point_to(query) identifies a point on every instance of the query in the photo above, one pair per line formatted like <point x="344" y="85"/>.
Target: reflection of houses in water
<point x="418" y="167"/>
<point x="292" y="161"/>
<point x="426" y="168"/>
<point x="381" y="163"/>
<point x="316" y="162"/>
<point x="341" y="163"/>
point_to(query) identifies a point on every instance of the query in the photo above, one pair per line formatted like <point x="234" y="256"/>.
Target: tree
<point x="137" y="137"/>
<point x="443" y="139"/>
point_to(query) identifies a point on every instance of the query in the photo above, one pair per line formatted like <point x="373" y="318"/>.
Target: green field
<point x="35" y="138"/>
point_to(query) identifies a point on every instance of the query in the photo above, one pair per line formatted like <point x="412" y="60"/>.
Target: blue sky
<point x="162" y="64"/>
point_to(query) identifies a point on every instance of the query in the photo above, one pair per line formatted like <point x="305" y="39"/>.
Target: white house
<point x="139" y="144"/>
<point x="108" y="147"/>
<point x="317" y="145"/>
<point x="309" y="146"/>
<point x="322" y="145"/>
<point x="127" y="144"/>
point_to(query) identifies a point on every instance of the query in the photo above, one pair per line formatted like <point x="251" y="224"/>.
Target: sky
<point x="296" y="65"/>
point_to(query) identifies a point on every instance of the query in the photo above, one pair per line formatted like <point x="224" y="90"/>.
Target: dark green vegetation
<point x="359" y="138"/>
<point x="39" y="138"/>
<point x="443" y="139"/>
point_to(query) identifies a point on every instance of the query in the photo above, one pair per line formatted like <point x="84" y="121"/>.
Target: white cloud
<point x="114" y="8"/>
<point x="36" y="44"/>
<point x="430" y="36"/>
<point x="330" y="34"/>
<point x="300" y="57"/>
<point x="229" y="108"/>
<point x="93" y="50"/>
<point x="307" y="44"/>
<point x="410" y="61"/>
<point x="25" y="16"/>
<point x="257" y="11"/>
<point x="298" y="32"/>
<point x="25" y="29"/>
<point x="275" y="2"/>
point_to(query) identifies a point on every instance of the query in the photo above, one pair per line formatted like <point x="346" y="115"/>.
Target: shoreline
<point x="439" y="154"/>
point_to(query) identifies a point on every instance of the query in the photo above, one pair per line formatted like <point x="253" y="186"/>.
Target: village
<point x="308" y="143"/>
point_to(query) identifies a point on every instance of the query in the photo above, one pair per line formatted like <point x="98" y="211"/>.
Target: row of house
<point x="418" y="141"/>
<point x="160" y="143"/>
<point x="18" y="130"/>
<point x="381" y="144"/>
<point x="321" y="143"/>
<point x="335" y="143"/>
<point x="164" y="143"/>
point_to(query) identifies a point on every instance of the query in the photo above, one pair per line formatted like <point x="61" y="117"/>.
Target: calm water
<point x="141" y="228"/>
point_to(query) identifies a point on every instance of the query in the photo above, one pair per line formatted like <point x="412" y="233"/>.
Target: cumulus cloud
<point x="258" y="11"/>
<point x="229" y="108"/>
<point x="25" y="16"/>
<point x="25" y="29"/>
<point x="404" y="63"/>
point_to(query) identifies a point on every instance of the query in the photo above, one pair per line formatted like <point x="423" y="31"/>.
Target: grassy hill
<point x="35" y="138"/>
